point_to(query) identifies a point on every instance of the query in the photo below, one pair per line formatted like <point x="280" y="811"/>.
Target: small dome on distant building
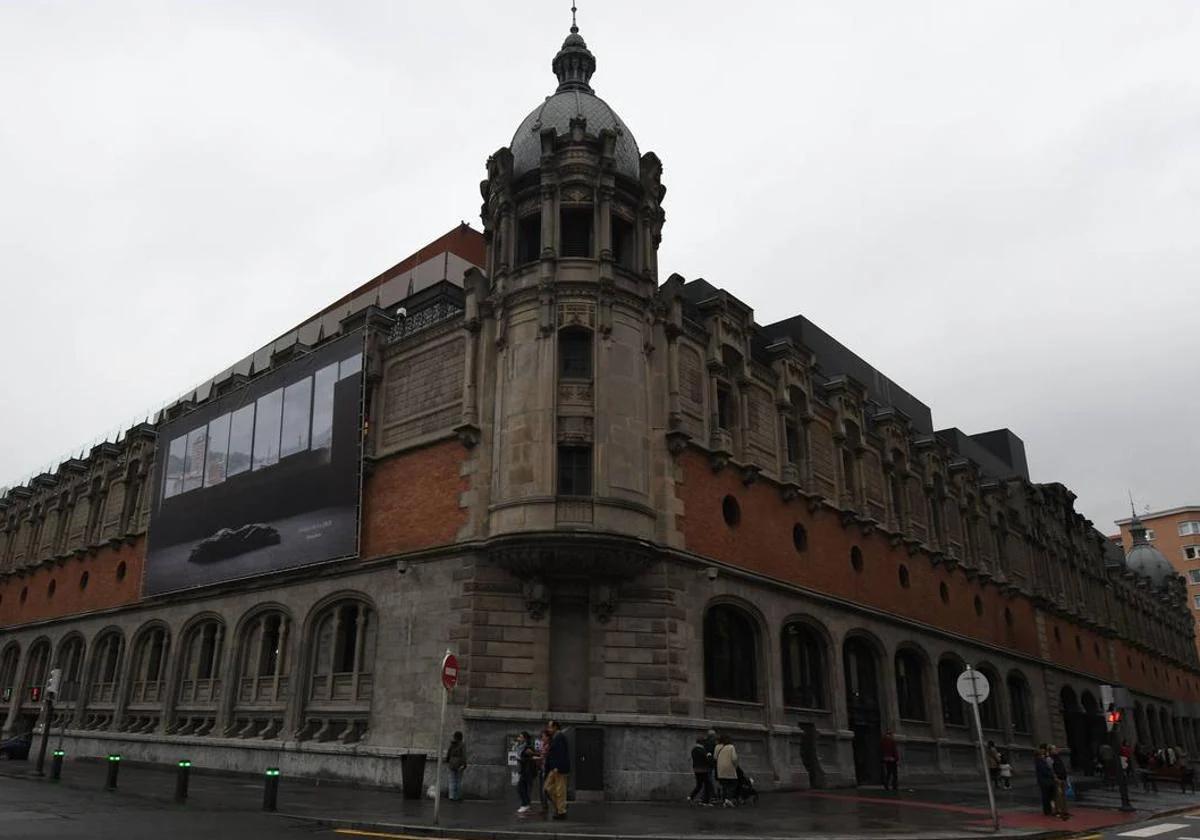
<point x="574" y="99"/>
<point x="1145" y="559"/>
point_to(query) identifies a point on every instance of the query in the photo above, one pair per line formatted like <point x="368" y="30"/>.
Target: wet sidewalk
<point x="934" y="812"/>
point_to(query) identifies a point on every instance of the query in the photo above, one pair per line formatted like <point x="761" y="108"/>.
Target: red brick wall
<point x="103" y="588"/>
<point x="410" y="501"/>
<point x="762" y="542"/>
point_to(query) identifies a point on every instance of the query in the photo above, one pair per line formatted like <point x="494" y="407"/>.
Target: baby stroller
<point x="745" y="792"/>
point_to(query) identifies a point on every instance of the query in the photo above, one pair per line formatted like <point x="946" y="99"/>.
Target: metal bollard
<point x="114" y="767"/>
<point x="271" y="789"/>
<point x="56" y="765"/>
<point x="181" y="780"/>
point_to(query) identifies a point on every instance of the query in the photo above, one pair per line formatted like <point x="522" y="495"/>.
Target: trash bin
<point x="412" y="774"/>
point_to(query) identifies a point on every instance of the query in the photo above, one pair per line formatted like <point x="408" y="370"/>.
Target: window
<point x="1186" y="528"/>
<point x="989" y="709"/>
<point x="1149" y="533"/>
<point x="216" y="460"/>
<point x="1018" y="703"/>
<point x="529" y="238"/>
<point x="344" y="646"/>
<point x="8" y="671"/>
<point x="1193" y="576"/>
<point x="176" y="454"/>
<point x="70" y="661"/>
<point x="575" y="354"/>
<point x="297" y="403"/>
<point x="264" y="666"/>
<point x="349" y="367"/>
<point x="910" y="693"/>
<point x="724" y="408"/>
<point x="803" y="667"/>
<point x="731" y="511"/>
<point x="269" y="414"/>
<point x="574" y="471"/>
<point x="193" y="464"/>
<point x="322" y="410"/>
<point x="241" y="440"/>
<point x="856" y="559"/>
<point x="1196" y="601"/>
<point x="944" y="593"/>
<point x="953" y="707"/>
<point x="799" y="538"/>
<point x="623" y="243"/>
<point x="576" y="232"/>
<point x="149" y="666"/>
<point x="792" y="439"/>
<point x="200" y="671"/>
<point x="904" y="579"/>
<point x="1191" y="552"/>
<point x="978" y="606"/>
<point x="730" y="654"/>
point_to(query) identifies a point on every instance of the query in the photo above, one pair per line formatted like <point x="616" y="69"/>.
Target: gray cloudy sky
<point x="997" y="204"/>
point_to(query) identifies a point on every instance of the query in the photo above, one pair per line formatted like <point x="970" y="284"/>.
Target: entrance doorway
<point x="862" y="705"/>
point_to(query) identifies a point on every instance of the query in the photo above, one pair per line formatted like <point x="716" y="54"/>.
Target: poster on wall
<point x="263" y="478"/>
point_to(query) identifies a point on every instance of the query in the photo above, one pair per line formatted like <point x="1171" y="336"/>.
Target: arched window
<point x="263" y="668"/>
<point x="803" y="666"/>
<point x="148" y="674"/>
<point x="1018" y="704"/>
<point x="37" y="668"/>
<point x="9" y="661"/>
<point x="69" y="660"/>
<point x="730" y="654"/>
<point x="342" y="657"/>
<point x="910" y="685"/>
<point x="989" y="709"/>
<point x="199" y="678"/>
<point x="954" y="710"/>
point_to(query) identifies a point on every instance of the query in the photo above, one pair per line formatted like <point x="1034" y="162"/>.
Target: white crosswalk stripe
<point x="1154" y="830"/>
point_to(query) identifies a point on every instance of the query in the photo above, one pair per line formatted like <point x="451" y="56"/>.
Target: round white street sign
<point x="973" y="686"/>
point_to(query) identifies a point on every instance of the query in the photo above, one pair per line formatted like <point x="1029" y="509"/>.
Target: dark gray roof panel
<point x="557" y="112"/>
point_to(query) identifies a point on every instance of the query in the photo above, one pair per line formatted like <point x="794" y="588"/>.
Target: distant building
<point x="623" y="501"/>
<point x="1175" y="533"/>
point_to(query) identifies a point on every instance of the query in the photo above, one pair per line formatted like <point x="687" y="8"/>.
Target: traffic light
<point x="35" y="694"/>
<point x="1113" y="718"/>
<point x="53" y="682"/>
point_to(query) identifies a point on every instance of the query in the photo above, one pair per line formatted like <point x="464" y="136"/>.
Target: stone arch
<point x="954" y="709"/>
<point x="1020" y="703"/>
<point x="33" y="677"/>
<point x="338" y="668"/>
<point x="862" y="661"/>
<point x="261" y="668"/>
<point x="733" y="651"/>
<point x="146" y="685"/>
<point x="197" y="684"/>
<point x="913" y="671"/>
<point x="992" y="715"/>
<point x="10" y="661"/>
<point x="1140" y="729"/>
<point x="102" y="678"/>
<point x="804" y="648"/>
<point x="69" y="658"/>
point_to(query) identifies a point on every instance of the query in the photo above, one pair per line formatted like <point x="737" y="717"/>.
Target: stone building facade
<point x="625" y="504"/>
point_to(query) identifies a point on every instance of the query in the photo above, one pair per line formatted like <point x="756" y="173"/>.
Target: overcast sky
<point x="997" y="204"/>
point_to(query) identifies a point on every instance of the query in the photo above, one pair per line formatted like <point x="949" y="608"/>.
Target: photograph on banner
<point x="262" y="478"/>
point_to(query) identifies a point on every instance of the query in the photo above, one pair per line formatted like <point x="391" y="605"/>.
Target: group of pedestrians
<point x="720" y="779"/>
<point x="545" y="761"/>
<point x="1052" y="780"/>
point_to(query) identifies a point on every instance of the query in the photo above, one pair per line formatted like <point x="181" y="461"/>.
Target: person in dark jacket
<point x="526" y="770"/>
<point x="891" y="761"/>
<point x="1046" y="783"/>
<point x="1060" y="783"/>
<point x="701" y="768"/>
<point x="558" y="767"/>
<point x="456" y="762"/>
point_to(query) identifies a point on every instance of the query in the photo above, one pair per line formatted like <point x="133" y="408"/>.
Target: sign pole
<point x="972" y="677"/>
<point x="48" y="710"/>
<point x="437" y="778"/>
<point x="449" y="677"/>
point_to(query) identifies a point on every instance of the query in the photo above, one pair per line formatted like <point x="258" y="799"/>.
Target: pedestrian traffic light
<point x="1113" y="718"/>
<point x="35" y="694"/>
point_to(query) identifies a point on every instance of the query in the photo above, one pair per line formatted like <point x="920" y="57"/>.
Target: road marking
<point x="355" y="832"/>
<point x="1153" y="830"/>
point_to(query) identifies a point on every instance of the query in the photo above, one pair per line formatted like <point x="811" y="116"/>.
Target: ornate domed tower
<point x="564" y="323"/>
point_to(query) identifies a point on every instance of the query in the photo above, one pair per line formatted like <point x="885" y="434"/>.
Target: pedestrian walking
<point x="1061" y="783"/>
<point x="1126" y="759"/>
<point x="558" y="767"/>
<point x="710" y="744"/>
<point x="456" y="763"/>
<point x="526" y="770"/>
<point x="540" y="749"/>
<point x="993" y="763"/>
<point x="727" y="763"/>
<point x="1044" y="772"/>
<point x="891" y="761"/>
<point x="702" y="761"/>
<point x="1006" y="770"/>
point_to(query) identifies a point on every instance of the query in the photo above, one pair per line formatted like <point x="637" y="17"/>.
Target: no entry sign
<point x="450" y="671"/>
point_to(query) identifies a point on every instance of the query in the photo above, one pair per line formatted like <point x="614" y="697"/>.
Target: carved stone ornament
<point x="677" y="441"/>
<point x="750" y="473"/>
<point x="468" y="435"/>
<point x="537" y="599"/>
<point x="604" y="602"/>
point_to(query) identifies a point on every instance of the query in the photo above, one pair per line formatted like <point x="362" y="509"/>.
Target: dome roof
<point x="1145" y="559"/>
<point x="574" y="99"/>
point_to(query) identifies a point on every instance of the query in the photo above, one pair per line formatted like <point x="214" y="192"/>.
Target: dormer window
<point x="623" y="243"/>
<point x="576" y="232"/>
<point x="724" y="407"/>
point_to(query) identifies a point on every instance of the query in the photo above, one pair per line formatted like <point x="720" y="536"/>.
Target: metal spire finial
<point x="574" y="28"/>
